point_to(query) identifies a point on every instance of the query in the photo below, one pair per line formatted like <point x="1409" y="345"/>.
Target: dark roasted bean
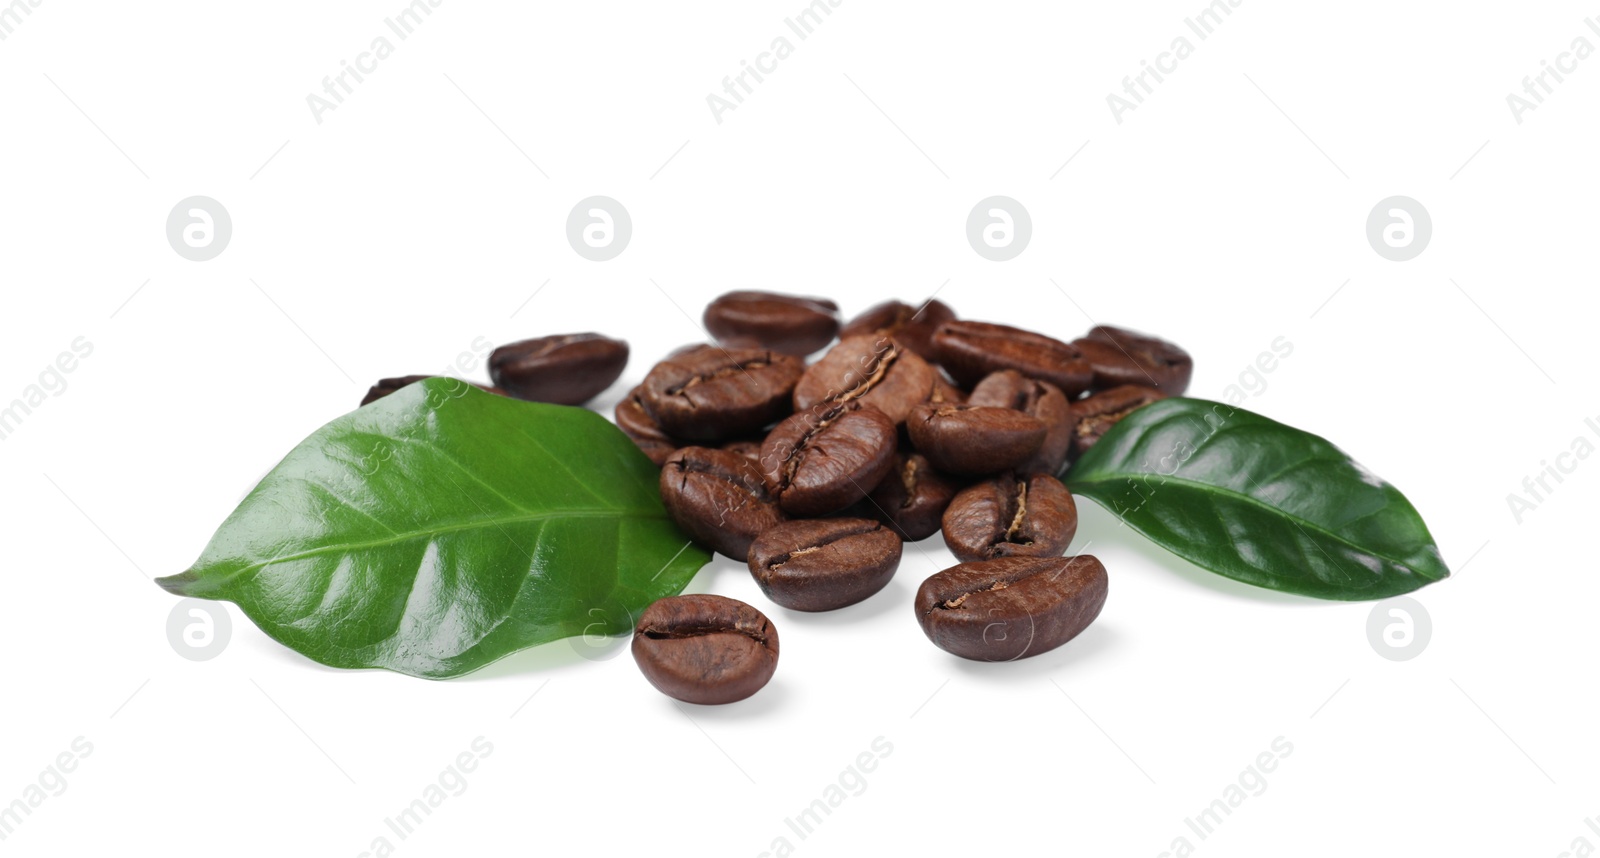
<point x="1093" y="415"/>
<point x="876" y="370"/>
<point x="1011" y="516"/>
<point x="710" y="393"/>
<point x="824" y="563"/>
<point x="567" y="369"/>
<point x="912" y="326"/>
<point x="971" y="350"/>
<point x="637" y="424"/>
<point x="386" y="386"/>
<point x="1120" y="356"/>
<point x="1013" y="607"/>
<point x="966" y="439"/>
<point x="788" y="324"/>
<point x="1041" y="399"/>
<point x="912" y="499"/>
<point x="718" y="497"/>
<point x="705" y="649"/>
<point x="825" y="458"/>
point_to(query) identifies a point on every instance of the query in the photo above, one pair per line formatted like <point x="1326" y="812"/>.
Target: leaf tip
<point x="181" y="584"/>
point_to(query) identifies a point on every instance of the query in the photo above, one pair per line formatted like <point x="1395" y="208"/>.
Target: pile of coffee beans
<point x="913" y="422"/>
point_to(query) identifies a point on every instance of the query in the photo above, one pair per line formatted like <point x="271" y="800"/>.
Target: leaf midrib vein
<point x="431" y="533"/>
<point x="1306" y="523"/>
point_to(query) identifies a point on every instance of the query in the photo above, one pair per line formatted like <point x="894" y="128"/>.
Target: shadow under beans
<point x="1107" y="531"/>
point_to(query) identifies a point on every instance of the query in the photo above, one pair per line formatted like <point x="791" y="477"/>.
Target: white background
<point x="1226" y="211"/>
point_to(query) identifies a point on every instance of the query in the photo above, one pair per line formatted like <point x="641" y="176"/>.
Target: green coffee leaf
<point x="1259" y="502"/>
<point x="441" y="528"/>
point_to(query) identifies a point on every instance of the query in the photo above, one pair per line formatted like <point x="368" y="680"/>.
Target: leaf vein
<point x="1244" y="498"/>
<point x="345" y="503"/>
<point x="434" y="448"/>
<point x="561" y="463"/>
<point x="433" y="533"/>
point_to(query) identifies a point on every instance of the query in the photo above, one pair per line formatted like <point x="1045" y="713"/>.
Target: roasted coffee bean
<point x="825" y="458"/>
<point x="824" y="563"/>
<point x="1094" y="414"/>
<point x="567" y="369"/>
<point x="944" y="391"/>
<point x="913" y="326"/>
<point x="710" y="393"/>
<point x="877" y="370"/>
<point x="1121" y="356"/>
<point x="1011" y="516"/>
<point x="643" y="430"/>
<point x="787" y="324"/>
<point x="1011" y="389"/>
<point x="750" y="449"/>
<point x="1013" y="607"/>
<point x="967" y="439"/>
<point x="705" y="649"/>
<point x="912" y="499"/>
<point x="386" y="386"/>
<point x="971" y="350"/>
<point x="718" y="497"/>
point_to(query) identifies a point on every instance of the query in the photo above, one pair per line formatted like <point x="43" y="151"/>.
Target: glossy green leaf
<point x="1258" y="501"/>
<point x="441" y="528"/>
